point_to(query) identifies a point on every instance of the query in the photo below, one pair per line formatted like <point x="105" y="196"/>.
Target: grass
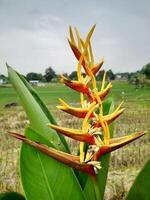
<point x="51" y="92"/>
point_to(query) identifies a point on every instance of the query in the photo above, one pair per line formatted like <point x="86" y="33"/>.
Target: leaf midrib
<point x="51" y="196"/>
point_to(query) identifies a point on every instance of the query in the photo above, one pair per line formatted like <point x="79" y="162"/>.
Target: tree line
<point x="138" y="78"/>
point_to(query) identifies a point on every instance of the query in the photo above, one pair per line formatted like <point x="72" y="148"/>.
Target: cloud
<point x="33" y="34"/>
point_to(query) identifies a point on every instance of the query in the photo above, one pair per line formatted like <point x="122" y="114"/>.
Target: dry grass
<point x="124" y="164"/>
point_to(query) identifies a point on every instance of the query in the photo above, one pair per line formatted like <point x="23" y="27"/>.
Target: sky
<point x="33" y="33"/>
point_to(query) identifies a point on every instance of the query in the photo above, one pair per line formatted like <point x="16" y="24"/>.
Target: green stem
<point x="96" y="188"/>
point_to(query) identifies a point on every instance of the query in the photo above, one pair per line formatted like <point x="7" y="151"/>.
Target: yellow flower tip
<point x="71" y="35"/>
<point x="63" y="108"/>
<point x="116" y="143"/>
<point x="63" y="104"/>
<point x="62" y="78"/>
<point x="92" y="29"/>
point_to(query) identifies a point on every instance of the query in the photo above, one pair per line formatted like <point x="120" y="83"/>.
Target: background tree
<point x="73" y="75"/>
<point x="110" y="75"/>
<point x="35" y="76"/>
<point x="4" y="78"/>
<point x="146" y="70"/>
<point x="49" y="74"/>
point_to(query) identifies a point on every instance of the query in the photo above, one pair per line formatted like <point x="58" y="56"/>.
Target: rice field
<point x="125" y="163"/>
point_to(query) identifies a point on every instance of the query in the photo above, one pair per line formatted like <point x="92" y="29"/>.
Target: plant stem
<point x="96" y="188"/>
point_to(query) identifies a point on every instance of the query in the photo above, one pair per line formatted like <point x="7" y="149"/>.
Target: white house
<point x="2" y="82"/>
<point x="34" y="82"/>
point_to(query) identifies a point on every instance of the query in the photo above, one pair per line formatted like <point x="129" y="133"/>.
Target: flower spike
<point x="94" y="135"/>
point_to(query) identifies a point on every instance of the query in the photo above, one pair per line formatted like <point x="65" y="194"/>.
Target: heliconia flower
<point x="116" y="143"/>
<point x="94" y="136"/>
<point x="78" y="112"/>
<point x="91" y="166"/>
<point x="97" y="67"/>
<point x="102" y="94"/>
<point x="65" y="158"/>
<point x="74" y="134"/>
<point x="110" y="117"/>
<point x="76" y="85"/>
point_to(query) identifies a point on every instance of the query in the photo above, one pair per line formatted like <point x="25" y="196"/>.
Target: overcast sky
<point x="33" y="33"/>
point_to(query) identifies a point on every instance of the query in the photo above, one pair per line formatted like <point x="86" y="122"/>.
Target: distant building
<point x="34" y="82"/>
<point x="2" y="81"/>
<point x="118" y="76"/>
<point x="121" y="76"/>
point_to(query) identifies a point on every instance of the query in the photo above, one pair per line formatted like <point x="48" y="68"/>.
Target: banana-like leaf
<point x="43" y="107"/>
<point x="45" y="178"/>
<point x="35" y="110"/>
<point x="94" y="189"/>
<point x="42" y="177"/>
<point x="11" y="196"/>
<point x="140" y="189"/>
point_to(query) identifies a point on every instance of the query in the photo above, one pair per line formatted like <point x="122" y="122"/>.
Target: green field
<point x="121" y="90"/>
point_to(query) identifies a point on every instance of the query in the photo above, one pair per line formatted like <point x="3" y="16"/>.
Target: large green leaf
<point x="42" y="177"/>
<point x="45" y="178"/>
<point x="140" y="189"/>
<point x="11" y="196"/>
<point x="94" y="189"/>
<point x="43" y="107"/>
<point x="34" y="110"/>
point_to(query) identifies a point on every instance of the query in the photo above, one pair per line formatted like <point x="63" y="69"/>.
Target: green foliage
<point x="4" y="78"/>
<point x="141" y="186"/>
<point x="49" y="74"/>
<point x="35" y="76"/>
<point x="146" y="70"/>
<point x="11" y="196"/>
<point x="110" y="75"/>
<point x="33" y="109"/>
<point x="45" y="178"/>
<point x="73" y="75"/>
